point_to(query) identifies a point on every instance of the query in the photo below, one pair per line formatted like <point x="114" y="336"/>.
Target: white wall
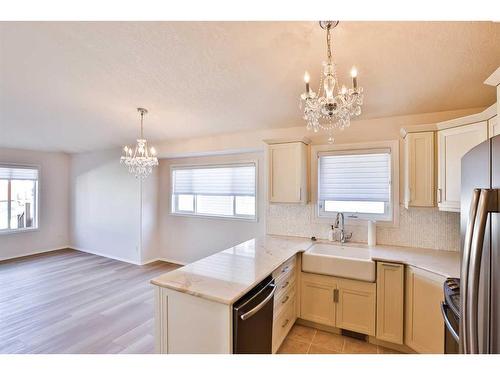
<point x="106" y="210"/>
<point x="53" y="231"/>
<point x="186" y="239"/>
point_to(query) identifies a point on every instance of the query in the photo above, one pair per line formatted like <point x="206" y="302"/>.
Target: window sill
<point x="215" y="217"/>
<point x="14" y="231"/>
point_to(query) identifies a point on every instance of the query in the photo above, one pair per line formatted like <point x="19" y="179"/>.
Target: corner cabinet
<point x="419" y="169"/>
<point x="424" y="327"/>
<point x="453" y="143"/>
<point x="288" y="172"/>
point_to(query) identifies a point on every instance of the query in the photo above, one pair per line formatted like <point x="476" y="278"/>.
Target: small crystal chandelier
<point x="325" y="110"/>
<point x="141" y="160"/>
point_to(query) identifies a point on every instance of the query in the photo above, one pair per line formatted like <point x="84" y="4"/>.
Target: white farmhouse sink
<point x="336" y="260"/>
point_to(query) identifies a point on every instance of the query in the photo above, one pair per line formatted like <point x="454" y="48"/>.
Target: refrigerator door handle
<point x="488" y="203"/>
<point x="463" y="343"/>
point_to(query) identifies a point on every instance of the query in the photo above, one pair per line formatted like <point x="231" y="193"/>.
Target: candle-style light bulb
<point x="354" y="75"/>
<point x="153" y="151"/>
<point x="306" y="80"/>
<point x="344" y="90"/>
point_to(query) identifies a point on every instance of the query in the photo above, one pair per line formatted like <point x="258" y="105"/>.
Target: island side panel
<point x="186" y="324"/>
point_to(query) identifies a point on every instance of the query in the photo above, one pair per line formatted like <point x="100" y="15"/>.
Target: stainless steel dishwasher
<point x="253" y="320"/>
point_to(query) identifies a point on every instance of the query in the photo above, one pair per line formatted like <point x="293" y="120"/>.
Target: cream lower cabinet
<point x="390" y="302"/>
<point x="317" y="298"/>
<point x="356" y="306"/>
<point x="336" y="302"/>
<point x="424" y="325"/>
<point x="285" y="311"/>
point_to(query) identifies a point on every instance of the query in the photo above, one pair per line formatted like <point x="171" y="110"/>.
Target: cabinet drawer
<point x="285" y="281"/>
<point x="283" y="323"/>
<point x="283" y="300"/>
<point x="285" y="268"/>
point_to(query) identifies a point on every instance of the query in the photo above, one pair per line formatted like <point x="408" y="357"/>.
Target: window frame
<point x="392" y="218"/>
<point x="36" y="216"/>
<point x="173" y="201"/>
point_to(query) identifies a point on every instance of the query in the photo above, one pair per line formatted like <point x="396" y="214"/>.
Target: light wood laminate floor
<point x="68" y="301"/>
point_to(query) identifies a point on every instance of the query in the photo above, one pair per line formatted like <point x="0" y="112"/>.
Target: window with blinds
<point x="356" y="182"/>
<point x="216" y="190"/>
<point x="18" y="198"/>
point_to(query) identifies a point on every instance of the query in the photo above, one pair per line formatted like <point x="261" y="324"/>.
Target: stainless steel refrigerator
<point x="480" y="243"/>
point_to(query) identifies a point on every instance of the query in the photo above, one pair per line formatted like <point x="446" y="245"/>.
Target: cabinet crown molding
<point x="303" y="140"/>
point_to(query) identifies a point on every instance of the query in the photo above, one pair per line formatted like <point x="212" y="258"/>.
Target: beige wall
<point x="359" y="131"/>
<point x="53" y="229"/>
<point x="113" y="214"/>
<point x="184" y="239"/>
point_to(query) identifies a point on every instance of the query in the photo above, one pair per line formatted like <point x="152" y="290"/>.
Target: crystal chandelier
<point x="141" y="160"/>
<point x="326" y="110"/>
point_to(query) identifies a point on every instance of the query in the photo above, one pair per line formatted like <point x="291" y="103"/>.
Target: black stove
<point x="451" y="314"/>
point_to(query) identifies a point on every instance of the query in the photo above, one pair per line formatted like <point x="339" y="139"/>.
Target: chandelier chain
<point x="328" y="43"/>
<point x="142" y="124"/>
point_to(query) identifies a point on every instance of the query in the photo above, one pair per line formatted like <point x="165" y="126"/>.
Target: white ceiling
<point x="74" y="86"/>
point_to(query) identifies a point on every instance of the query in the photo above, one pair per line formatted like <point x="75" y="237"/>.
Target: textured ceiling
<point x="74" y="86"/>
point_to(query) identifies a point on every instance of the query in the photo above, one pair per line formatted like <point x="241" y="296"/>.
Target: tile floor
<point x="306" y="340"/>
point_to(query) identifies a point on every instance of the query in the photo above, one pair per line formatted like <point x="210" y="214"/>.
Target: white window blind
<point x="218" y="190"/>
<point x="18" y="173"/>
<point x="360" y="175"/>
<point x="237" y="180"/>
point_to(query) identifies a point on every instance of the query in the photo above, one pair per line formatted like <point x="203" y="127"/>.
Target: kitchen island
<point x="194" y="302"/>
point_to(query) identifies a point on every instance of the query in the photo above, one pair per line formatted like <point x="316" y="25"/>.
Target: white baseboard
<point x="138" y="263"/>
<point x="166" y="260"/>
<point x="106" y="255"/>
<point x="35" y="252"/>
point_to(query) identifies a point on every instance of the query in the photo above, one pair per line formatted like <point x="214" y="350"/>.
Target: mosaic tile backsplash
<point x="418" y="227"/>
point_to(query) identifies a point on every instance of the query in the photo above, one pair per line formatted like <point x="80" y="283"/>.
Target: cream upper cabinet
<point x="390" y="302"/>
<point x="356" y="306"/>
<point x="453" y="143"/>
<point x="424" y="327"/>
<point x="317" y="294"/>
<point x="288" y="172"/>
<point x="419" y="169"/>
<point x="493" y="127"/>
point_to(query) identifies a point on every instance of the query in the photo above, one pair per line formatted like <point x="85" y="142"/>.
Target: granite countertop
<point x="227" y="275"/>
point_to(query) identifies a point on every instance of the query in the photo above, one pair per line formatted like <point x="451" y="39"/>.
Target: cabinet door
<point x="424" y="329"/>
<point x="390" y="302"/>
<point x="453" y="144"/>
<point x="287" y="172"/>
<point x="493" y="127"/>
<point x="356" y="306"/>
<point x="316" y="299"/>
<point x="419" y="176"/>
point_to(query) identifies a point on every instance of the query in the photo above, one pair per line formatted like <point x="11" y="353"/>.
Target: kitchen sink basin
<point x="339" y="260"/>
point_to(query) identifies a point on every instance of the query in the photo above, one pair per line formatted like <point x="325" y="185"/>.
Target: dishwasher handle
<point x="256" y="309"/>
